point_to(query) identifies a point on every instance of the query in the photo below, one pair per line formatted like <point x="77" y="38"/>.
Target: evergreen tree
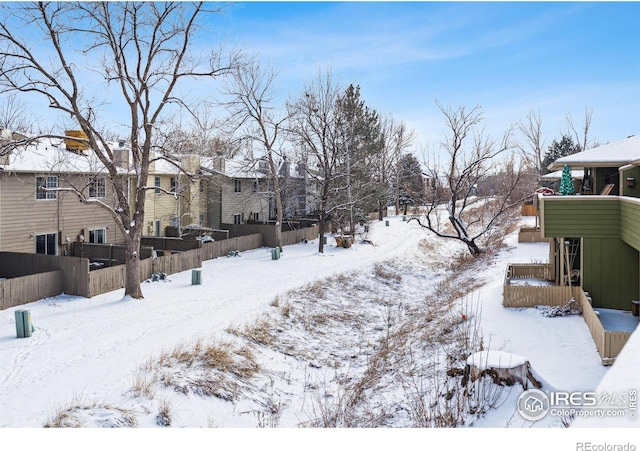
<point x="411" y="183"/>
<point x="566" y="184"/>
<point x="564" y="148"/>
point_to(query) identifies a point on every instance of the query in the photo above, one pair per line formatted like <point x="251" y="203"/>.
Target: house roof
<point x="50" y="155"/>
<point x="615" y="154"/>
<point x="577" y="173"/>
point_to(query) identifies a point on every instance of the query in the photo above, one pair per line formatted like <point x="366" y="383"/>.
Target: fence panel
<point x="614" y="341"/>
<point x="25" y="289"/>
<point x="221" y="248"/>
<point x="531" y="296"/>
<point x="296" y="236"/>
<point x="106" y="279"/>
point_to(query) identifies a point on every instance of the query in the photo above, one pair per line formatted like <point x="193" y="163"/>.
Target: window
<point x="98" y="236"/>
<point x="157" y="227"/>
<point x="201" y="183"/>
<point x="47" y="244"/>
<point x="237" y="186"/>
<point x="255" y="187"/>
<point x="157" y="183"/>
<point x="237" y="218"/>
<point x="173" y="184"/>
<point x="256" y="216"/>
<point x="97" y="187"/>
<point x="201" y="219"/>
<point x="44" y="183"/>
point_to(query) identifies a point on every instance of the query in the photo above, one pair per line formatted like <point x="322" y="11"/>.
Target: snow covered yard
<point x="358" y="337"/>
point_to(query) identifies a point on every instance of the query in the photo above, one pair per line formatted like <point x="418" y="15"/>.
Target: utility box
<point x="196" y="277"/>
<point x="275" y="253"/>
<point x="386" y="223"/>
<point x="24" y="327"/>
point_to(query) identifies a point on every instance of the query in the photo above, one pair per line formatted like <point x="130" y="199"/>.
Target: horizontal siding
<point x="581" y="216"/>
<point x="22" y="215"/>
<point x="245" y="202"/>
<point x="630" y="221"/>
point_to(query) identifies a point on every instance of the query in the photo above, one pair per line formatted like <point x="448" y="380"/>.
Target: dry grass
<point x="218" y="369"/>
<point x="80" y="414"/>
<point x="260" y="331"/>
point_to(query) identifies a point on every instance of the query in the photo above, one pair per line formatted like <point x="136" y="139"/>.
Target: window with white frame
<point x="237" y="186"/>
<point x="157" y="184"/>
<point x="172" y="184"/>
<point x="98" y="236"/>
<point x="256" y="216"/>
<point x="237" y="218"/>
<point x="44" y="184"/>
<point x="97" y="187"/>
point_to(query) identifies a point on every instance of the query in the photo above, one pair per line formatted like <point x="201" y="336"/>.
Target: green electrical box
<point x="196" y="277"/>
<point x="24" y="327"/>
<point x="275" y="253"/>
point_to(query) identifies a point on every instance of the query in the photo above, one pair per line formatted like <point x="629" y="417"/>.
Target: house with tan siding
<point x="180" y="198"/>
<point x="39" y="213"/>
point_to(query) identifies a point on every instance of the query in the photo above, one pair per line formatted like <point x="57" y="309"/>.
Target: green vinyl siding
<point x="580" y="216"/>
<point x="630" y="221"/>
<point x="635" y="174"/>
<point x="610" y="273"/>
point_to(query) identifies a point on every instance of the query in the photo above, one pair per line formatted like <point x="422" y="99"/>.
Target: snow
<point x="616" y="154"/>
<point x="89" y="353"/>
<point x="495" y="359"/>
<point x="616" y="320"/>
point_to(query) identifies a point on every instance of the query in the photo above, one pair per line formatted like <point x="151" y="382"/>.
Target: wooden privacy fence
<point x="223" y="247"/>
<point x="109" y="279"/>
<point x="541" y="271"/>
<point x="25" y="289"/>
<point x="608" y="343"/>
<point x="71" y="274"/>
<point x="296" y="236"/>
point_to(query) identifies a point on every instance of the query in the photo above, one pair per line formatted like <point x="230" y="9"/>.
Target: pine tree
<point x="566" y="184"/>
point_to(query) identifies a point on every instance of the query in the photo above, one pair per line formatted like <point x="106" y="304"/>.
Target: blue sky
<point x="508" y="57"/>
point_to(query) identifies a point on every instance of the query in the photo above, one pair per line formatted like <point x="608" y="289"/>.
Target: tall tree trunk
<point x="132" y="267"/>
<point x="321" y="226"/>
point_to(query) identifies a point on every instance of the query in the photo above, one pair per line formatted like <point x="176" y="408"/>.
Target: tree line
<point x="81" y="57"/>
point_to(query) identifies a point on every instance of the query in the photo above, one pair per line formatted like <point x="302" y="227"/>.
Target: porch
<point x="531" y="285"/>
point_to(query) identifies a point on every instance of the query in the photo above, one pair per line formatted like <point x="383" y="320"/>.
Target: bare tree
<point x="137" y="53"/>
<point x="257" y="119"/>
<point x="314" y="128"/>
<point x="397" y="139"/>
<point x="582" y="134"/>
<point x="468" y="216"/>
<point x="534" y="149"/>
